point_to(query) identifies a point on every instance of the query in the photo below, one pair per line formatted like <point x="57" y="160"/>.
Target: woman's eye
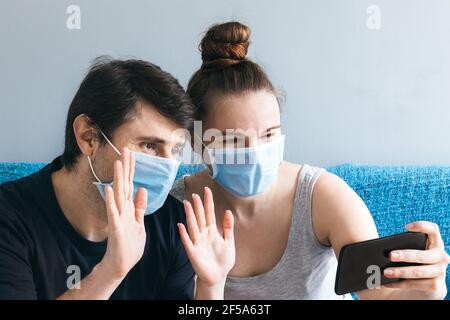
<point x="268" y="135"/>
<point x="236" y="141"/>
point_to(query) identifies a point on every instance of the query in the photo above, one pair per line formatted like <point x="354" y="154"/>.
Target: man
<point x="54" y="225"/>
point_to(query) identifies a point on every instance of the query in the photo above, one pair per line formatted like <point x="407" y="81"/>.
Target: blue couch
<point x="395" y="195"/>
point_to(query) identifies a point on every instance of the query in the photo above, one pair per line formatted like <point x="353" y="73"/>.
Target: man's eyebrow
<point x="154" y="139"/>
<point x="151" y="138"/>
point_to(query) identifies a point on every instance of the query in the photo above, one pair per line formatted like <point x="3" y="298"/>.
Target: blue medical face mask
<point x="246" y="172"/>
<point x="155" y="174"/>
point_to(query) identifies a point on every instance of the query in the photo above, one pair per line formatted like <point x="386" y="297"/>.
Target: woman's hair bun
<point x="227" y="42"/>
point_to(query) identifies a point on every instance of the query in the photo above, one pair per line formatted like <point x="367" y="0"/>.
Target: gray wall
<point x="353" y="94"/>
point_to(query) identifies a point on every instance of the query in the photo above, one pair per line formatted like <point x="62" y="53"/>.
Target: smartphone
<point x="361" y="265"/>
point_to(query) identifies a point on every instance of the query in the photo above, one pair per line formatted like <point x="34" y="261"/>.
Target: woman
<point x="290" y="220"/>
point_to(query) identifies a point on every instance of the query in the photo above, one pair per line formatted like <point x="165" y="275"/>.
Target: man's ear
<point x="86" y="134"/>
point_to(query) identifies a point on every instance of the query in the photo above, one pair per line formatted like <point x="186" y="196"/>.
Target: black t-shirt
<point x="38" y="246"/>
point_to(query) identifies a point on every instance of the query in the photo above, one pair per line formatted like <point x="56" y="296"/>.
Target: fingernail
<point x="194" y="195"/>
<point x="410" y="225"/>
<point x="388" y="272"/>
<point x="395" y="255"/>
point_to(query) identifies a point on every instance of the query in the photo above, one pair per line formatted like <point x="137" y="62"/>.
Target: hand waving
<point x="126" y="234"/>
<point x="211" y="254"/>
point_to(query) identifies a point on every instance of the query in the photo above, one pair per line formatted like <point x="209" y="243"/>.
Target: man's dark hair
<point x="110" y="91"/>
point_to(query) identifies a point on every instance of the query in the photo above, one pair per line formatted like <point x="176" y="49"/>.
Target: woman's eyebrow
<point x="278" y="126"/>
<point x="273" y="128"/>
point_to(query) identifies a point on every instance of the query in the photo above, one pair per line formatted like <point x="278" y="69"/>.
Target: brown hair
<point x="225" y="68"/>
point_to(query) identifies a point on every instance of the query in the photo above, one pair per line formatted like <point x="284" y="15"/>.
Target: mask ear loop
<point x="89" y="158"/>
<point x="92" y="169"/>
<point x="210" y="165"/>
<point x="110" y="143"/>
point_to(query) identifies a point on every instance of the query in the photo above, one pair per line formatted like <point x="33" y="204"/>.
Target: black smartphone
<point x="360" y="263"/>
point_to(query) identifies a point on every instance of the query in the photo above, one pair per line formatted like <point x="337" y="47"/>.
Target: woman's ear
<point x="86" y="134"/>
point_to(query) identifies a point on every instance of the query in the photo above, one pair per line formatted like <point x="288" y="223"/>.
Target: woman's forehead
<point x="250" y="110"/>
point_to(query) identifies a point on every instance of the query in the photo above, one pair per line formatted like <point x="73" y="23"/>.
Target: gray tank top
<point x="306" y="269"/>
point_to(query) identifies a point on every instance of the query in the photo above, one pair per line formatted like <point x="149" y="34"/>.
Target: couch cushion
<point x="395" y="195"/>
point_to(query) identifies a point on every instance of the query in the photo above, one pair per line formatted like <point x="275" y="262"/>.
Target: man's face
<point x="148" y="132"/>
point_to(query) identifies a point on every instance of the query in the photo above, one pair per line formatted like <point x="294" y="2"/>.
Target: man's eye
<point x="150" y="146"/>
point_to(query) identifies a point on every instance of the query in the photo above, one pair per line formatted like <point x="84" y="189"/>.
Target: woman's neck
<point x="282" y="190"/>
<point x="244" y="209"/>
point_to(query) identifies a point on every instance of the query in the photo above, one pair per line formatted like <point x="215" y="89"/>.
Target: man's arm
<point x="98" y="285"/>
<point x="16" y="273"/>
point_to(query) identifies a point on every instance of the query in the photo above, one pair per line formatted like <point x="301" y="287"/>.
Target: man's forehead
<point x="149" y="123"/>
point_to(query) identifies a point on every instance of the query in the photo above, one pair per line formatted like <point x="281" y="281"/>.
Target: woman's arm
<point x="340" y="217"/>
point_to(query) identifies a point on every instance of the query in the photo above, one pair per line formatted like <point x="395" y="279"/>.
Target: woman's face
<point x="244" y="120"/>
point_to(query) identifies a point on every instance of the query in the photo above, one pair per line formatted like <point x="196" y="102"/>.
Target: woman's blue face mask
<point x="246" y="172"/>
<point x="155" y="174"/>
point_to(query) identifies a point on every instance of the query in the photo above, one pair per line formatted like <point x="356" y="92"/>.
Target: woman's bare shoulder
<point x="291" y="168"/>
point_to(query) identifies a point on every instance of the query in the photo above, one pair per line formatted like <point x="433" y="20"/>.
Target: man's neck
<point x="81" y="202"/>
